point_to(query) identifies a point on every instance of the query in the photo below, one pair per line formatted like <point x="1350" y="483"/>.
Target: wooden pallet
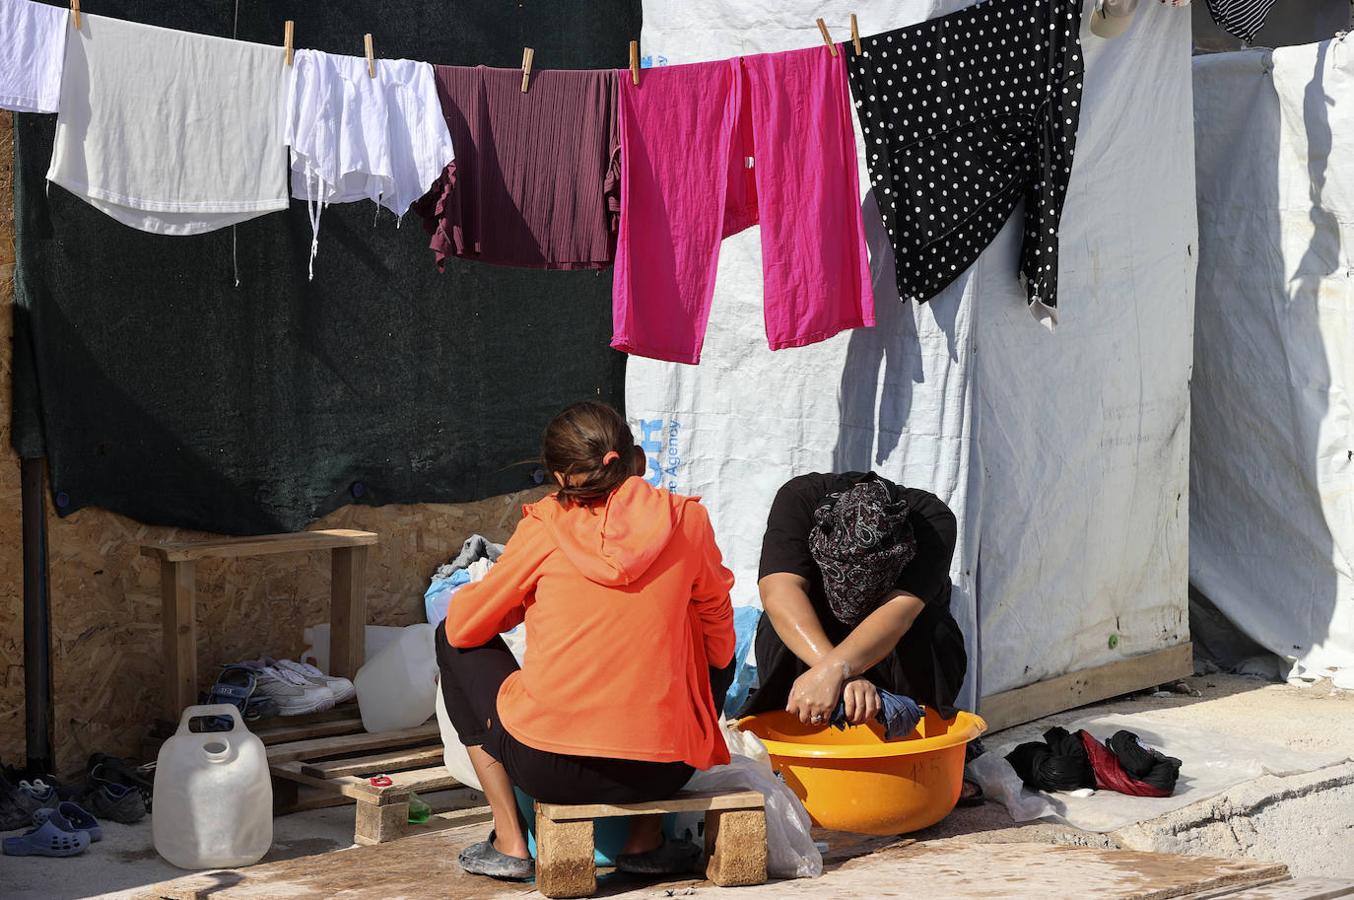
<point x="330" y="760"/>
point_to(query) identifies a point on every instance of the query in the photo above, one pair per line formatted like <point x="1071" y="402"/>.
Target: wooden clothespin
<point x="371" y="55"/>
<point x="287" y="31"/>
<point x="827" y="38"/>
<point x="634" y="62"/>
<point x="527" y="54"/>
<point x="855" y="34"/>
<point x="75" y="13"/>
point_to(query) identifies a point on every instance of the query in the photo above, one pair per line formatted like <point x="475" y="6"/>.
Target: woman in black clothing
<point x="855" y="585"/>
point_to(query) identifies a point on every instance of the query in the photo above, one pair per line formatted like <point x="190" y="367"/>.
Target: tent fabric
<point x="159" y="388"/>
<point x="1063" y="454"/>
<point x="1272" y="513"/>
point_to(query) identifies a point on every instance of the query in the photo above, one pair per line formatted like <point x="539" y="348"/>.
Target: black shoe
<point x="13" y="815"/>
<point x="672" y="857"/>
<point x="484" y="859"/>
<point x="116" y="802"/>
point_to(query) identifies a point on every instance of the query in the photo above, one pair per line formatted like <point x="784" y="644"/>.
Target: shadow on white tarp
<point x="1211" y="763"/>
<point x="1064" y="455"/>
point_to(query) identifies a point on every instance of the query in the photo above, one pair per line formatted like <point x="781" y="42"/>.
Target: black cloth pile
<point x="1066" y="761"/>
<point x="160" y="389"/>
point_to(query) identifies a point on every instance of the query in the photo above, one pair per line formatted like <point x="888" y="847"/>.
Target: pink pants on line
<point x="709" y="149"/>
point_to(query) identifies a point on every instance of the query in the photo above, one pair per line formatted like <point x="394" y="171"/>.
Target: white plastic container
<point x="397" y="688"/>
<point x="213" y="795"/>
<point x="317" y="643"/>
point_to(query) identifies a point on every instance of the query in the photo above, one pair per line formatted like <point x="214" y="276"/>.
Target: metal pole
<point x="37" y="618"/>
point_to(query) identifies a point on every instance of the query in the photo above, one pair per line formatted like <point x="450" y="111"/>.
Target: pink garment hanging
<point x="709" y="149"/>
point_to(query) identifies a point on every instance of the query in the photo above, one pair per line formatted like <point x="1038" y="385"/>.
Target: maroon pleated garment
<point x="536" y="177"/>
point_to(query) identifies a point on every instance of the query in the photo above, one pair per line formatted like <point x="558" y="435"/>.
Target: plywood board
<point x="106" y="605"/>
<point x="426" y="867"/>
<point x="1025" y="704"/>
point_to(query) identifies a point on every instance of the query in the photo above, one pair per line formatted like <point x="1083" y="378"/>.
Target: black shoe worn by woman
<point x="484" y="859"/>
<point x="672" y="857"/>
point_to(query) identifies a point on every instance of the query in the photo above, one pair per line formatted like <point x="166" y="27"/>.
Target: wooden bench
<point x="178" y="625"/>
<point x="333" y="760"/>
<point x="735" y="839"/>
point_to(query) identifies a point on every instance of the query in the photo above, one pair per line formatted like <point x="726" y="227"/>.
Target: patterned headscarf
<point x="861" y="541"/>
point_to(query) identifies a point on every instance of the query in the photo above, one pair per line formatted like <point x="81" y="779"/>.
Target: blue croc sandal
<point x="55" y="837"/>
<point x="76" y="816"/>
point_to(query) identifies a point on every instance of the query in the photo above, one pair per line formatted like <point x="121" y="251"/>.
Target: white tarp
<point x="1064" y="455"/>
<point x="1272" y="512"/>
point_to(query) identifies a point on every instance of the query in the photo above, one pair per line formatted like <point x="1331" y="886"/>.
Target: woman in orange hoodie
<point x="630" y="641"/>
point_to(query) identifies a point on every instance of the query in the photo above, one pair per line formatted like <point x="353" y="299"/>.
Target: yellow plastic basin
<point x="854" y="780"/>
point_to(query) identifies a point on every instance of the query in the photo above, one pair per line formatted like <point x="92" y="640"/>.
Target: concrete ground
<point x="1304" y="821"/>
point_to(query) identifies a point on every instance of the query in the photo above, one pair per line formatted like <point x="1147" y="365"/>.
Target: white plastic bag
<point x="791" y="850"/>
<point x="745" y="743"/>
<point x="454" y="755"/>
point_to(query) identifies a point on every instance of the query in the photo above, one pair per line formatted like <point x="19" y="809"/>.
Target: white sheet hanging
<point x="168" y="131"/>
<point x="31" y="55"/>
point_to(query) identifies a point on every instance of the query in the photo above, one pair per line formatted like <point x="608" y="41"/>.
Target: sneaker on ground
<point x="116" y="802"/>
<point x="12" y="814"/>
<point x="343" y="688"/>
<point x="37" y="794"/>
<point x="294" y="695"/>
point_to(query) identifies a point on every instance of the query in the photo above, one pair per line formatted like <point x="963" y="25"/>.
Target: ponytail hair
<point x="591" y="445"/>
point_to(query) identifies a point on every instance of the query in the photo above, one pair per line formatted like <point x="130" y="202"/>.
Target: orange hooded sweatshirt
<point x="626" y="606"/>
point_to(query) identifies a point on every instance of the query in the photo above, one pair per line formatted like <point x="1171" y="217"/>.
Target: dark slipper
<point x="483" y="859"/>
<point x="971" y="794"/>
<point x="672" y="857"/>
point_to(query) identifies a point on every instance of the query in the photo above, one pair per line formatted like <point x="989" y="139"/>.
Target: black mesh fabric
<point x="159" y="388"/>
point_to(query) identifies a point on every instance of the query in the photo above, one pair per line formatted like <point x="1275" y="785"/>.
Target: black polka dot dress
<point x="964" y="116"/>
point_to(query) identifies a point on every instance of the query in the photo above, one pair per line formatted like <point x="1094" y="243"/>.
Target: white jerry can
<point x="213" y="801"/>
<point x="397" y="688"/>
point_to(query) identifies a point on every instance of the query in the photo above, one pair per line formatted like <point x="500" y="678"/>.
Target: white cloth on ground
<point x="355" y="137"/>
<point x="31" y="53"/>
<point x="1212" y="763"/>
<point x="171" y="132"/>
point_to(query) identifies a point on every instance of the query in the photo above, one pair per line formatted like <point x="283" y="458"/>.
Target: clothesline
<point x="963" y="117"/>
